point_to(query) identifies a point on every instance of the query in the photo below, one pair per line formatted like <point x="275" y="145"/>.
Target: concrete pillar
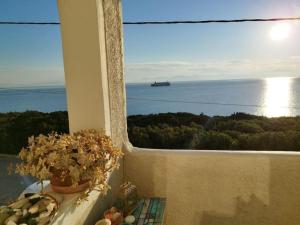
<point x="85" y="64"/>
<point x="93" y="60"/>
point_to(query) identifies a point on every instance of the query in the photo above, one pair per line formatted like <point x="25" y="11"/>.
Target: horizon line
<point x="45" y="85"/>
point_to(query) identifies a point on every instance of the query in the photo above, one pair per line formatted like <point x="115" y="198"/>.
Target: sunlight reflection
<point x="277" y="98"/>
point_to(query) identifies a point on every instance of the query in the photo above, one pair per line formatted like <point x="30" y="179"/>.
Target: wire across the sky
<point x="169" y="22"/>
<point x="211" y="21"/>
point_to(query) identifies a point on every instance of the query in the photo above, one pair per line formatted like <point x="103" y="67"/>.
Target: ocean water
<point x="270" y="97"/>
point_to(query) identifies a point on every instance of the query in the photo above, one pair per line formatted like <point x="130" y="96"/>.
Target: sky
<point x="32" y="55"/>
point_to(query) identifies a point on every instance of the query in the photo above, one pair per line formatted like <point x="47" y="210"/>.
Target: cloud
<point x="164" y="70"/>
<point x="27" y="76"/>
<point x="212" y="69"/>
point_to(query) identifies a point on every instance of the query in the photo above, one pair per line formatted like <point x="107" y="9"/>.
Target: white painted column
<point x="84" y="53"/>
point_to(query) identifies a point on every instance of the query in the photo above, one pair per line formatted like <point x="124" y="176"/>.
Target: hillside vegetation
<point x="239" y="131"/>
<point x="15" y="128"/>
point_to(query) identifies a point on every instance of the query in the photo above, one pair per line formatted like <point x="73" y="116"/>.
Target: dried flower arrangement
<point x="82" y="159"/>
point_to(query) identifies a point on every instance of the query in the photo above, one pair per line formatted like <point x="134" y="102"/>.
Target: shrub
<point x="216" y="140"/>
<point x="241" y="126"/>
<point x="164" y="136"/>
<point x="15" y="128"/>
<point x="168" y="130"/>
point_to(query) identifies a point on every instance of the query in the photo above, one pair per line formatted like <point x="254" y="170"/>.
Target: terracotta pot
<point x="65" y="186"/>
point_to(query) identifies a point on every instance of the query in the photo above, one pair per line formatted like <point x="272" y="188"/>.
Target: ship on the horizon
<point x="159" y="84"/>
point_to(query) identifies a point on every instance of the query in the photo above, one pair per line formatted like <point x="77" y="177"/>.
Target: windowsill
<point x="62" y="199"/>
<point x="69" y="212"/>
<point x="66" y="202"/>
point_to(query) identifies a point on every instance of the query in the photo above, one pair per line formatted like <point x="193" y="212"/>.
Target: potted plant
<point x="73" y="162"/>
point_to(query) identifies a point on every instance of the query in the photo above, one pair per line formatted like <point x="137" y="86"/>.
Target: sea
<point x="271" y="97"/>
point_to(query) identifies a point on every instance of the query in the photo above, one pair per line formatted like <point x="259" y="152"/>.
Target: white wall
<point x="213" y="188"/>
<point x="93" y="62"/>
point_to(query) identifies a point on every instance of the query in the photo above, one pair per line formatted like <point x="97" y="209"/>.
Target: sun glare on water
<point x="277" y="97"/>
<point x="280" y="31"/>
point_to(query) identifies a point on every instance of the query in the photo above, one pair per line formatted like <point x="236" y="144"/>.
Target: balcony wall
<point x="202" y="188"/>
<point x="220" y="188"/>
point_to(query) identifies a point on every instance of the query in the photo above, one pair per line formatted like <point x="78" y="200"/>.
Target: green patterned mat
<point x="150" y="211"/>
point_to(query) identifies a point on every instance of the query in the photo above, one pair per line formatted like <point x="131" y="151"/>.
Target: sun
<point x="280" y="31"/>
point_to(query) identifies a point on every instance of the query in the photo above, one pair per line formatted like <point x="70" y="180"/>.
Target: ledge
<point x="69" y="212"/>
<point x="220" y="184"/>
<point x="211" y="152"/>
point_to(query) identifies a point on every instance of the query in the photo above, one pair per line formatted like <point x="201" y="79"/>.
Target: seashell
<point x="4" y="216"/>
<point x="19" y="204"/>
<point x="19" y="212"/>
<point x="27" y="206"/>
<point x="103" y="222"/>
<point x="43" y="221"/>
<point x="11" y="223"/>
<point x="116" y="216"/>
<point x="35" y="196"/>
<point x="108" y="215"/>
<point x="113" y="210"/>
<point x="42" y="207"/>
<point x="13" y="218"/>
<point x="34" y="209"/>
<point x="46" y="201"/>
<point x="35" y="200"/>
<point x="45" y="214"/>
<point x="24" y="212"/>
<point x="5" y="209"/>
<point x="51" y="206"/>
<point x="129" y="219"/>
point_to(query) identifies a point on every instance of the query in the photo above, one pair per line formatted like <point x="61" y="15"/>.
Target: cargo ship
<point x="160" y="84"/>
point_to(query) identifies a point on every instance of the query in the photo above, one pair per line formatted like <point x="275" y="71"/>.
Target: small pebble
<point x="116" y="216"/>
<point x="11" y="223"/>
<point x="130" y="219"/>
<point x="104" y="222"/>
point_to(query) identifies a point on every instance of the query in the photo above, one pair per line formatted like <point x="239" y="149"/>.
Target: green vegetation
<point x="239" y="131"/>
<point x="15" y="128"/>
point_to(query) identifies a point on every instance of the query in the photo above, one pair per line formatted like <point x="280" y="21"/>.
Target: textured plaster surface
<point x="115" y="69"/>
<point x="218" y="188"/>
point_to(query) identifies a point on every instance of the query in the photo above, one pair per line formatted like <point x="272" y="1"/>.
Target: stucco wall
<point x="115" y="70"/>
<point x="93" y="62"/>
<point x="220" y="188"/>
